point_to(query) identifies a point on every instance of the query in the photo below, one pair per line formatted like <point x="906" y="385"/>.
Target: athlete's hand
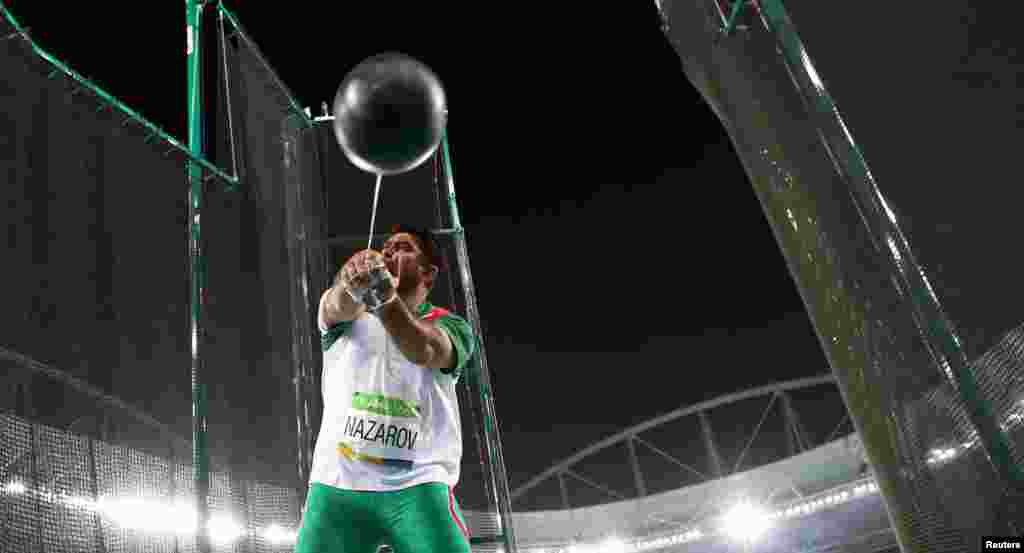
<point x="356" y="273"/>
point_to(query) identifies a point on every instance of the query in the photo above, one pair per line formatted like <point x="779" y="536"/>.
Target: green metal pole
<point x="730" y="24"/>
<point x="937" y="329"/>
<point x="108" y="99"/>
<point x="197" y="263"/>
<point x="296" y="107"/>
<point x="492" y="436"/>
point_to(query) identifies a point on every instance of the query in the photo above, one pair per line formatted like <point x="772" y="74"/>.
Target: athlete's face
<point x="404" y="258"/>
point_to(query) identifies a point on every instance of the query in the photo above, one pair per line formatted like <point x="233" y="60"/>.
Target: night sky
<point x="579" y="145"/>
<point x="580" y="148"/>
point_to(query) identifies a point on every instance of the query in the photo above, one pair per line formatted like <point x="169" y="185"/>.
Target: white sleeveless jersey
<point x="387" y="423"/>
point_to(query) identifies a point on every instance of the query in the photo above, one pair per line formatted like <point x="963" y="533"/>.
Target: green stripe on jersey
<point x="463" y="342"/>
<point x="386" y="406"/>
<point x="328" y="338"/>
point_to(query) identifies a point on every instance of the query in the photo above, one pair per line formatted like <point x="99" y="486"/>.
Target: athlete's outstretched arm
<point x="422" y="342"/>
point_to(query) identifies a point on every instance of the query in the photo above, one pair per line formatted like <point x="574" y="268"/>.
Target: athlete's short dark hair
<point x="428" y="242"/>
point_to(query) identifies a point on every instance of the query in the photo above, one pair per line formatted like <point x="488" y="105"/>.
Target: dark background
<point x="580" y="144"/>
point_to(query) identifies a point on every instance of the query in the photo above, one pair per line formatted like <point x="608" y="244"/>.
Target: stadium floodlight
<point x="577" y="548"/>
<point x="81" y="502"/>
<point x="149" y="516"/>
<point x="612" y="544"/>
<point x="15" y="488"/>
<point x="159" y="517"/>
<point x="224" y="530"/>
<point x="278" y="535"/>
<point x="745" y="522"/>
<point x="939" y="455"/>
<point x="166" y="518"/>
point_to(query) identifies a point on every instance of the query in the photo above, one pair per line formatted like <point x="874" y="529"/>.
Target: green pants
<point x="420" y="519"/>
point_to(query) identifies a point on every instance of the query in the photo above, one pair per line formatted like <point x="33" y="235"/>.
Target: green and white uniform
<point x="390" y="432"/>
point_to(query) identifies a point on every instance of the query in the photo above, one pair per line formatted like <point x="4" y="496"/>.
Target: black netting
<point x="250" y="360"/>
<point x="888" y="343"/>
<point x="96" y="353"/>
<point x="130" y="487"/>
<point x="94" y="388"/>
<point x="63" y="492"/>
<point x="95" y="399"/>
<point x="273" y="511"/>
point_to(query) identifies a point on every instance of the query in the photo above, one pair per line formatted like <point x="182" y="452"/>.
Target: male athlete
<point x="388" y="453"/>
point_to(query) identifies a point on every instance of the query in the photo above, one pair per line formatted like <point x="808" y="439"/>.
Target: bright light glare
<point x="746" y="522"/>
<point x="169" y="518"/>
<point x="224" y="530"/>
<point x="15" y="487"/>
<point x="149" y="516"/>
<point x="939" y="455"/>
<point x="82" y="502"/>
<point x="611" y="545"/>
<point x="279" y="535"/>
<point x="161" y="517"/>
<point x="579" y="548"/>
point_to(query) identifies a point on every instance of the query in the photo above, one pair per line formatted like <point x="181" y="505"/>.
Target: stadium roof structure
<point x="806" y="470"/>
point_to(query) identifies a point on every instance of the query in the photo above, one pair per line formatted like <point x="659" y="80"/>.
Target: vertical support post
<point x="4" y="422"/>
<point x="565" y="491"/>
<point x="709" y="443"/>
<point x="197" y="264"/>
<point x="936" y="329"/>
<point x="105" y="427"/>
<point x="492" y="435"/>
<point x="37" y="493"/>
<point x="793" y="443"/>
<point x="296" y="222"/>
<point x="29" y="409"/>
<point x="242" y="488"/>
<point x="303" y="458"/>
<point x="94" y="489"/>
<point x="172" y="473"/>
<point x="638" y="476"/>
<point x="796" y="430"/>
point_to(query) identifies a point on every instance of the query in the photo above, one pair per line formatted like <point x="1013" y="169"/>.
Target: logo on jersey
<point x="385" y="406"/>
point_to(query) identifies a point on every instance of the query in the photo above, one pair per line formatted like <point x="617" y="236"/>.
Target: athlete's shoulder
<point x="433" y="312"/>
<point x="329" y="336"/>
<point x="458" y="330"/>
<point x="439" y="314"/>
